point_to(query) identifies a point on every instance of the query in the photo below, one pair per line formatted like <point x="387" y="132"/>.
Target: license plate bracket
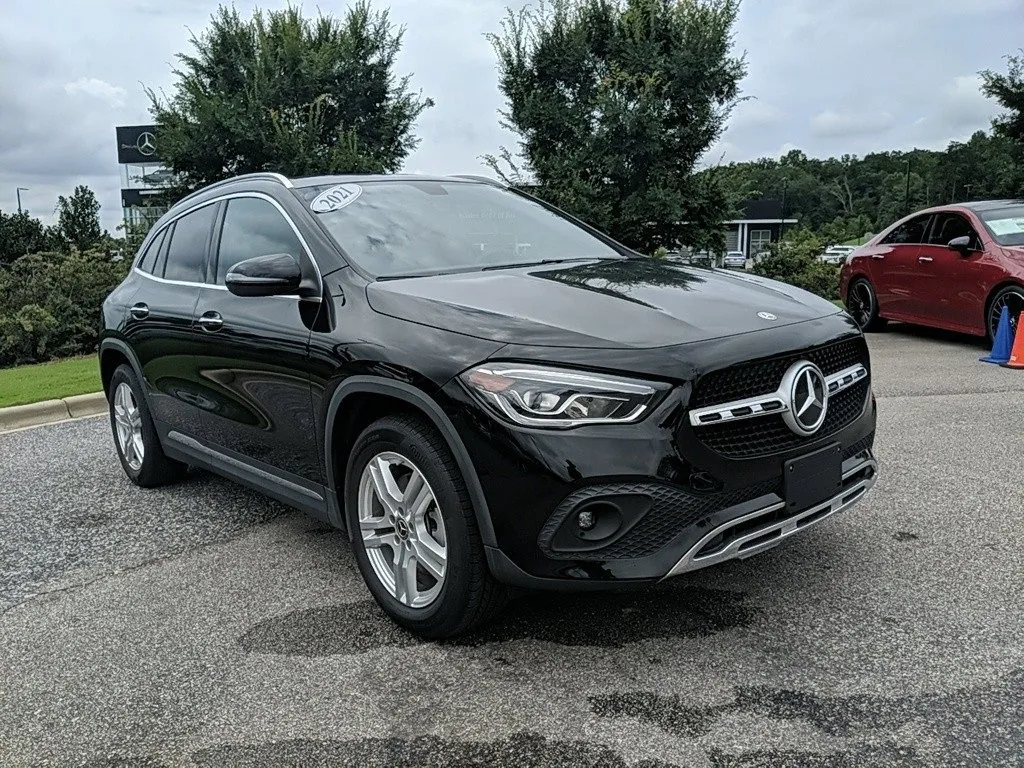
<point x="813" y="478"/>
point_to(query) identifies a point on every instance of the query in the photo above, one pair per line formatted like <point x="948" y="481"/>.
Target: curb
<point x="49" y="411"/>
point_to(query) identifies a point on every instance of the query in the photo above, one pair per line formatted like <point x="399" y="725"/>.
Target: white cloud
<point x="100" y="89"/>
<point x="829" y="124"/>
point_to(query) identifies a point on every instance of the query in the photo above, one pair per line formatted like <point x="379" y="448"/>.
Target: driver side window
<point x="949" y="226"/>
<point x="253" y="227"/>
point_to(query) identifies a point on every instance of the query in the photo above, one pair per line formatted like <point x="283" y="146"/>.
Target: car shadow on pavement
<point x="931" y="334"/>
<point x="607" y="620"/>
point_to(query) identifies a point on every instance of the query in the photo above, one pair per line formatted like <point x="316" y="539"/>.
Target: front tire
<point x="135" y="438"/>
<point x="414" y="531"/>
<point x="862" y="304"/>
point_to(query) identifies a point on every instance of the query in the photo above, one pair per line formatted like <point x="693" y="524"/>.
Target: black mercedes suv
<point x="481" y="390"/>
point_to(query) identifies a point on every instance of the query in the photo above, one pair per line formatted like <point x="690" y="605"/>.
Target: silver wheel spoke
<point x="431" y="556"/>
<point x="385" y="485"/>
<point x="375" y="540"/>
<point x="405" y="576"/>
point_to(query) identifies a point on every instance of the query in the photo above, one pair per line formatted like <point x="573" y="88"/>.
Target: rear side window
<point x="254" y="227"/>
<point x="186" y="257"/>
<point x="949" y="226"/>
<point x="910" y="232"/>
<point x="149" y="257"/>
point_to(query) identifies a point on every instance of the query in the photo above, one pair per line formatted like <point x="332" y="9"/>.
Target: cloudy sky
<point x="827" y="76"/>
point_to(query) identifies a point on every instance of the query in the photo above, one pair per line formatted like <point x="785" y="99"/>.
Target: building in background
<point x="762" y="223"/>
<point x="144" y="178"/>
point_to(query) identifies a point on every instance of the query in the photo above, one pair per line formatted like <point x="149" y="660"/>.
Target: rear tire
<point x="862" y="304"/>
<point x="420" y="553"/>
<point x="138" y="447"/>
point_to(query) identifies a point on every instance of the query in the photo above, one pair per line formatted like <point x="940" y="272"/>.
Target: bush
<point x="795" y="261"/>
<point x="50" y="304"/>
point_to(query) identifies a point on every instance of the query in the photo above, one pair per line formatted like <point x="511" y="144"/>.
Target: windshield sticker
<point x="336" y="198"/>
<point x="1002" y="227"/>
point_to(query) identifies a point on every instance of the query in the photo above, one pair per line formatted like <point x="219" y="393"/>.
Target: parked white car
<point x="735" y="260"/>
<point x="837" y="254"/>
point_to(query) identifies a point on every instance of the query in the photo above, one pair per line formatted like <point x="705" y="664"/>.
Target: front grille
<point x="764" y="376"/>
<point x="766" y="435"/>
<point x="672" y="511"/>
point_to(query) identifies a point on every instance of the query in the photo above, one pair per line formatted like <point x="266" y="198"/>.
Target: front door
<point x="953" y="283"/>
<point x="252" y="352"/>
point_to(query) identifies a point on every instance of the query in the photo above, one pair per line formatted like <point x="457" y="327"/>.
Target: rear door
<point x="894" y="268"/>
<point x="160" y="325"/>
<point x="252" y="353"/>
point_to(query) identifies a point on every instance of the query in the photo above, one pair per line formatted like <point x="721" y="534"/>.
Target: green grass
<point x="25" y="384"/>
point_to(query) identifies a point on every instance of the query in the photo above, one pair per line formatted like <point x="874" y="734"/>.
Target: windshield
<point x="405" y="228"/>
<point x="1006" y="225"/>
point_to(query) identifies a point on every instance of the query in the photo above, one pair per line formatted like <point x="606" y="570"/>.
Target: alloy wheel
<point x="860" y="302"/>
<point x="128" y="422"/>
<point x="402" y="530"/>
<point x="1013" y="300"/>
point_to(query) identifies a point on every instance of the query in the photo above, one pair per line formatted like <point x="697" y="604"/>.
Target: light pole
<point x="782" y="224"/>
<point x="18" y="192"/>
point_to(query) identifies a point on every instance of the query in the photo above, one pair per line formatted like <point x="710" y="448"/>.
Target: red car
<point x="952" y="267"/>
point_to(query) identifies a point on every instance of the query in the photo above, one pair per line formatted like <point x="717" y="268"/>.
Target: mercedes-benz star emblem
<point x="767" y="316"/>
<point x="804" y="385"/>
<point x="146" y="143"/>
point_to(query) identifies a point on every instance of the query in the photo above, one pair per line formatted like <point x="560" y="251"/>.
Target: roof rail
<point x="484" y="179"/>
<point x="258" y="176"/>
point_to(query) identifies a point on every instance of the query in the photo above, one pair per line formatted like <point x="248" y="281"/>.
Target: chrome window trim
<point x="725" y="412"/>
<point x="222" y="198"/>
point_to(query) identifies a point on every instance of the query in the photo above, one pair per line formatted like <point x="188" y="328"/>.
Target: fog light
<point x="585" y="520"/>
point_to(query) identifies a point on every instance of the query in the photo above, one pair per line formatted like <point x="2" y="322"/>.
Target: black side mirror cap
<point x="962" y="244"/>
<point x="275" y="274"/>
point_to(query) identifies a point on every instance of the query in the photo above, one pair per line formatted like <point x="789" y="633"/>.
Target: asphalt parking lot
<point x="204" y="625"/>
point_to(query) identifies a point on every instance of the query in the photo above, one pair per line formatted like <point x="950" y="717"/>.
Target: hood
<point x="632" y="303"/>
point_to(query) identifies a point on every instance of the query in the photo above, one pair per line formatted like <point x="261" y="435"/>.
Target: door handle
<point x="878" y="256"/>
<point x="211" y="322"/>
<point x="925" y="259"/>
<point x="139" y="311"/>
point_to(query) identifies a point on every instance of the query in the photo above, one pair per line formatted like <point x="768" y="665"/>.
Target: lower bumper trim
<point x="748" y="538"/>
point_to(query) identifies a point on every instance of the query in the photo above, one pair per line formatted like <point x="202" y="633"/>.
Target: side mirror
<point x="962" y="244"/>
<point x="272" y="275"/>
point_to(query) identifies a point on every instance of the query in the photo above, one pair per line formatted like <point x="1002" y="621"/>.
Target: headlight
<point x="536" y="396"/>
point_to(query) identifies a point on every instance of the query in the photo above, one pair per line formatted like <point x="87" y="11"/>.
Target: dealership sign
<point x="137" y="145"/>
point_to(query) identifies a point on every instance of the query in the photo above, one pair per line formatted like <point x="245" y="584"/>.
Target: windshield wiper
<point x="513" y="265"/>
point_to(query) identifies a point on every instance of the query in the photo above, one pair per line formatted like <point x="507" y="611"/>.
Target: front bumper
<point x="683" y="505"/>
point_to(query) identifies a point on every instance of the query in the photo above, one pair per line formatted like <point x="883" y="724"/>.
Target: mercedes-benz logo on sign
<point x="146" y="143"/>
<point x="804" y="385"/>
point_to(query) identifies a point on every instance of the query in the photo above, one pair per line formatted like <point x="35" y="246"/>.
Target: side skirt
<point x="312" y="498"/>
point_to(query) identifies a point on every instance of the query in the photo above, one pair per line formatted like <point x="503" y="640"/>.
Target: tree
<point x="280" y="92"/>
<point x="21" y="234"/>
<point x="1008" y="90"/>
<point x="795" y="261"/>
<point x="614" y="102"/>
<point x="78" y="218"/>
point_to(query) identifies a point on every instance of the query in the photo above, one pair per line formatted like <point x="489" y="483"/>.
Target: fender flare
<point x="422" y="402"/>
<point x="127" y="351"/>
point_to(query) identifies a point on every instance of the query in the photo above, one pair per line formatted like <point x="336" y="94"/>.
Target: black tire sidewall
<point x="450" y="604"/>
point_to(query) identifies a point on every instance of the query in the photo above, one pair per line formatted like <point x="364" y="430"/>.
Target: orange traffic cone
<point x="1017" y="354"/>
